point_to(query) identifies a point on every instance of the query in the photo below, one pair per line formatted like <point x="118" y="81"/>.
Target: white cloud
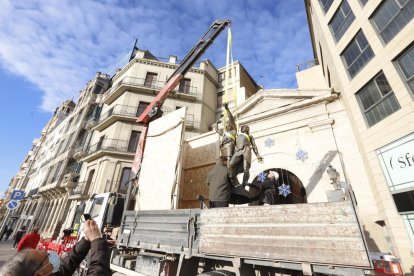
<point x="59" y="45"/>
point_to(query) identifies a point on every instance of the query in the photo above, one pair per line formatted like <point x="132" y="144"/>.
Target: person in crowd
<point x="9" y="232"/>
<point x="36" y="262"/>
<point x="219" y="184"/>
<point x="19" y="235"/>
<point x="265" y="192"/>
<point x="67" y="232"/>
<point x="30" y="240"/>
<point x="4" y="232"/>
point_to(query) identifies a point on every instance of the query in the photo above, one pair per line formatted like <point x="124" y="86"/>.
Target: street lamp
<point x="333" y="176"/>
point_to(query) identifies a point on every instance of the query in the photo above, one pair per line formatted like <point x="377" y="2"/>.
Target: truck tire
<point x="218" y="273"/>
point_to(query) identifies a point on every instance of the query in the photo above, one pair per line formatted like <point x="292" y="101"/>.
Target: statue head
<point x="229" y="126"/>
<point x="245" y="129"/>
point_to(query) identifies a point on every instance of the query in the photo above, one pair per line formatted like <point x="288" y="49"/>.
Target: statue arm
<point x="232" y="121"/>
<point x="216" y="129"/>
<point x="255" y="150"/>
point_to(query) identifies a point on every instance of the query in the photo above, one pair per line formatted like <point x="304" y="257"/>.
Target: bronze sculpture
<point x="242" y="157"/>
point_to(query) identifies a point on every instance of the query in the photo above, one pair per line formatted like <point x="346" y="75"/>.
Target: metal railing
<point x="122" y="110"/>
<point x="306" y="65"/>
<point x="190" y="121"/>
<point x="112" y="145"/>
<point x="153" y="84"/>
<point x="82" y="187"/>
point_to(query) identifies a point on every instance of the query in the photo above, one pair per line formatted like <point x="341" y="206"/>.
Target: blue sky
<point x="50" y="49"/>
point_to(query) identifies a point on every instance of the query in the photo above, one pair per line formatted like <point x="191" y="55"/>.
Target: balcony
<point x="70" y="180"/>
<point x="190" y="122"/>
<point x="79" y="153"/>
<point x="113" y="147"/>
<point x="307" y="65"/>
<point x="145" y="86"/>
<point x="116" y="113"/>
<point x="81" y="191"/>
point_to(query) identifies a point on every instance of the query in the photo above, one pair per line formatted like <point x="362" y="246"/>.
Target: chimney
<point x="173" y="59"/>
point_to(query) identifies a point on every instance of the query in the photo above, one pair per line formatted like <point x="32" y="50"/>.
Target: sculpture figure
<point x="242" y="157"/>
<point x="227" y="136"/>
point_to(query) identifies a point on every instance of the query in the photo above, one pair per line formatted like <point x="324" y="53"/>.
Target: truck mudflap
<point x="316" y="233"/>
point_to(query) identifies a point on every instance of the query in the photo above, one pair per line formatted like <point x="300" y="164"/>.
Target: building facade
<point x="365" y="52"/>
<point x="113" y="133"/>
<point x="54" y="172"/>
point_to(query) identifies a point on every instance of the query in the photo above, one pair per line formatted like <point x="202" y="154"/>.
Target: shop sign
<point x="397" y="162"/>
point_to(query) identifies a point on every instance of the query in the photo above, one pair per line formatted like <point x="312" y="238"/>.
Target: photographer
<point x="36" y="262"/>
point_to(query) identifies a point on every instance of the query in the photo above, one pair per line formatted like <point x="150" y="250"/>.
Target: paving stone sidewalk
<point x="6" y="251"/>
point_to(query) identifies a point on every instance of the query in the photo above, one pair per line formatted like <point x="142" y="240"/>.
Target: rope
<point x="230" y="71"/>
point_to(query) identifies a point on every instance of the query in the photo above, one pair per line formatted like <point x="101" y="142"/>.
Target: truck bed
<point x="318" y="233"/>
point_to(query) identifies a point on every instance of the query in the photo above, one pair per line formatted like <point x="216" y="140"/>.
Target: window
<point x="69" y="144"/>
<point x="221" y="76"/>
<point x="329" y="77"/>
<point x="363" y="2"/>
<point x="341" y="20"/>
<point x="57" y="171"/>
<point x="326" y="4"/>
<point x="406" y="64"/>
<point x="392" y="16"/>
<point x="141" y="108"/>
<point x="133" y="141"/>
<point x="184" y="86"/>
<point x="220" y="99"/>
<point x="357" y="54"/>
<point x="68" y="125"/>
<point x="123" y="183"/>
<point x="150" y="79"/>
<point x="96" y="207"/>
<point x="377" y="100"/>
<point x="79" y="116"/>
<point x="323" y="66"/>
<point x="404" y="201"/>
<point x="98" y="88"/>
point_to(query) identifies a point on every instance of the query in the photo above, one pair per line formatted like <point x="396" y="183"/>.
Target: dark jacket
<point x="99" y="261"/>
<point x="219" y="183"/>
<point x="19" y="235"/>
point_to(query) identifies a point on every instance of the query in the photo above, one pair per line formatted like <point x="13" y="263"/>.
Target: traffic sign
<point x="17" y="195"/>
<point x="12" y="204"/>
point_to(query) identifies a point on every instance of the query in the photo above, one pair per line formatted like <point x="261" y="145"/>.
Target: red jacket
<point x="29" y="241"/>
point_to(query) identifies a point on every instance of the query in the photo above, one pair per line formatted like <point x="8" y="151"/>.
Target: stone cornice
<point x="307" y="101"/>
<point x="163" y="65"/>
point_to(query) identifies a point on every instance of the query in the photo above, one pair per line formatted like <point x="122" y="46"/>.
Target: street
<point x="6" y="251"/>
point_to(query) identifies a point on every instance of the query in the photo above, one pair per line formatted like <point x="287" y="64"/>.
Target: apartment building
<point x="44" y="151"/>
<point x="54" y="171"/>
<point x="239" y="79"/>
<point x="365" y="51"/>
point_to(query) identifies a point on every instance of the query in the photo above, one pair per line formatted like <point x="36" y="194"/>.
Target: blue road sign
<point x="17" y="195"/>
<point x="12" y="204"/>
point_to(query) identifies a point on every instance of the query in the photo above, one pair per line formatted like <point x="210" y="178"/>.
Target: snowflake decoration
<point x="301" y="155"/>
<point x="284" y="190"/>
<point x="269" y="142"/>
<point x="262" y="176"/>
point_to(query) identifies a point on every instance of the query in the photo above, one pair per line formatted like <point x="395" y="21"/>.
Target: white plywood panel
<point x="161" y="162"/>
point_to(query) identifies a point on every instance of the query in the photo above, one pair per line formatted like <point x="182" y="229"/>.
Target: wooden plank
<point x="158" y="173"/>
<point x="318" y="233"/>
<point x="200" y="156"/>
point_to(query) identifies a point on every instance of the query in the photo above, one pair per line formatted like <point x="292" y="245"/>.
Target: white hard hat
<point x="275" y="174"/>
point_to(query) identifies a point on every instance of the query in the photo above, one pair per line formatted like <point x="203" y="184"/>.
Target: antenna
<point x="126" y="55"/>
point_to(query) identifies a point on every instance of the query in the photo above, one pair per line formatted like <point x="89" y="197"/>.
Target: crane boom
<point x="153" y="110"/>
